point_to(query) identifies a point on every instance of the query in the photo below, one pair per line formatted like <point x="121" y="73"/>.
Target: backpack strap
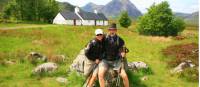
<point x="117" y="40"/>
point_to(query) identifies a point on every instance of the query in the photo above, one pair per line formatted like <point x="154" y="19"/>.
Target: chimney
<point x="95" y="11"/>
<point x="76" y="10"/>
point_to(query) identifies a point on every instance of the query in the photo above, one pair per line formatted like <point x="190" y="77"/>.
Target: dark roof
<point x="84" y="15"/>
<point x="102" y="16"/>
<point x="92" y="16"/>
<point x="88" y="15"/>
<point x="69" y="15"/>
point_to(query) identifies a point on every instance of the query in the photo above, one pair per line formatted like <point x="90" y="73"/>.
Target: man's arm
<point x="87" y="51"/>
<point x="122" y="47"/>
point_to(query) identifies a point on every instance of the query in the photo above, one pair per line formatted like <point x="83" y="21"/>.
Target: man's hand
<point x="123" y="54"/>
<point x="97" y="61"/>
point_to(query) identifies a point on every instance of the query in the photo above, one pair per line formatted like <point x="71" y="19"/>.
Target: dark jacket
<point x="94" y="50"/>
<point x="112" y="47"/>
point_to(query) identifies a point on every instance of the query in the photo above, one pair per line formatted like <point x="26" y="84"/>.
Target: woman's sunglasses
<point x="99" y="34"/>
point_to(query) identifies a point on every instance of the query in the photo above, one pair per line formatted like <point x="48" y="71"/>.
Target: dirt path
<point x="24" y="27"/>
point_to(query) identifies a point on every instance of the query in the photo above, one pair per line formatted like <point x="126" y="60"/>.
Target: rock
<point x="144" y="78"/>
<point x="61" y="80"/>
<point x="57" y="58"/>
<point x="182" y="66"/>
<point x="10" y="62"/>
<point x="45" y="67"/>
<point x="137" y="65"/>
<point x="78" y="62"/>
<point x="34" y="56"/>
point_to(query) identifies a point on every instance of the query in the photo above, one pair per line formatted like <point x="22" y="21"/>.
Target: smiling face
<point x="112" y="32"/>
<point x="99" y="37"/>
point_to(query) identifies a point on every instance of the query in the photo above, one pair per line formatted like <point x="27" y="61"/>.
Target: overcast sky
<point x="185" y="6"/>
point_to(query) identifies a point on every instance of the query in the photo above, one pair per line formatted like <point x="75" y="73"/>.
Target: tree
<point x="31" y="10"/>
<point x="160" y="21"/>
<point x="125" y="20"/>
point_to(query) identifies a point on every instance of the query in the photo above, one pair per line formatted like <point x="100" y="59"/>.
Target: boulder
<point x="78" y="63"/>
<point x="61" y="80"/>
<point x="45" y="67"/>
<point x="10" y="62"/>
<point x="137" y="65"/>
<point x="182" y="66"/>
<point x="57" y="58"/>
<point x="35" y="56"/>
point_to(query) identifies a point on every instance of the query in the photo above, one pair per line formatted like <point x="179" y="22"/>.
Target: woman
<point x="93" y="52"/>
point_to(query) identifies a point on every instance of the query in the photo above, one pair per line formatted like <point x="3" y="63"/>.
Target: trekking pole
<point x="90" y="76"/>
<point x="124" y="49"/>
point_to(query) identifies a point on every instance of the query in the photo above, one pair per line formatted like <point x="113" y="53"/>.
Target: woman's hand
<point x="123" y="54"/>
<point x="97" y="61"/>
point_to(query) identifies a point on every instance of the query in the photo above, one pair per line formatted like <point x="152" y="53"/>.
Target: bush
<point x="160" y="21"/>
<point x="182" y="53"/>
<point x="124" y="20"/>
<point x="190" y="74"/>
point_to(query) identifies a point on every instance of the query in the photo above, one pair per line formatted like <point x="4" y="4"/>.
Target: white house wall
<point x="99" y="22"/>
<point x="102" y="22"/>
<point x="89" y="22"/>
<point x="105" y="23"/>
<point x="59" y="19"/>
<point x="69" y="22"/>
<point x="78" y="22"/>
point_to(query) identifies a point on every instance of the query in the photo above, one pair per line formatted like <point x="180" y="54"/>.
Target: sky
<point x="184" y="6"/>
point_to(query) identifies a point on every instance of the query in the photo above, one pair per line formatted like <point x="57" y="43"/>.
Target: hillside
<point x="15" y="44"/>
<point x="192" y="19"/>
<point x="66" y="6"/>
<point x="182" y="15"/>
<point x="90" y="7"/>
<point x="114" y="8"/>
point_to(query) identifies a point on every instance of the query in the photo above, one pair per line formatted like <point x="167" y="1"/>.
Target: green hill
<point x="66" y="6"/>
<point x="192" y="19"/>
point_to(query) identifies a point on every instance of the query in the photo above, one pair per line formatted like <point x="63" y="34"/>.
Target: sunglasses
<point x="99" y="34"/>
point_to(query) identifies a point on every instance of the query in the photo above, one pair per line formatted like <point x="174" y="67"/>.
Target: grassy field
<point x="69" y="40"/>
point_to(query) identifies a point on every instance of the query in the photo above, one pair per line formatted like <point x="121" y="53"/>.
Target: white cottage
<point x="81" y="18"/>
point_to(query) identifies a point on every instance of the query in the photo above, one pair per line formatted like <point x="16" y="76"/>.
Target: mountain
<point x="192" y="19"/>
<point x="115" y="7"/>
<point x="182" y="15"/>
<point x="65" y="6"/>
<point x="90" y="7"/>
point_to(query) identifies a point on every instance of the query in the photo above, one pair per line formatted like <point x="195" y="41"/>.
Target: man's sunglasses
<point x="99" y="34"/>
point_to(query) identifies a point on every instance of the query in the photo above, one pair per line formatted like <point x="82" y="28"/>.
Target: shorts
<point x="116" y="64"/>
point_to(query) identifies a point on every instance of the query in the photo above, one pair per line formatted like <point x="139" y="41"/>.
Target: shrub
<point x="124" y="20"/>
<point x="160" y="21"/>
<point x="182" y="53"/>
<point x="190" y="74"/>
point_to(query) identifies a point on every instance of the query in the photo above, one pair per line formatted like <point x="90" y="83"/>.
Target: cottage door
<point x="74" y="22"/>
<point x="95" y="22"/>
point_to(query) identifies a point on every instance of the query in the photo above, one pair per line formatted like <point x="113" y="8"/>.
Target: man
<point x="112" y="56"/>
<point x="93" y="52"/>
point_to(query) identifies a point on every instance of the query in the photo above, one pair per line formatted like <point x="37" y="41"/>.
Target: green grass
<point x="69" y="40"/>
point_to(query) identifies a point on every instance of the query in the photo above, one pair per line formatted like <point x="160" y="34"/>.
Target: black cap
<point x="113" y="26"/>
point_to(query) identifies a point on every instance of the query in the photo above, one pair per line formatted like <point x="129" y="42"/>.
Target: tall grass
<point x="69" y="40"/>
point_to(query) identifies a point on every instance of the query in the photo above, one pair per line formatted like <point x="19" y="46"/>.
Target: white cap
<point x="98" y="31"/>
